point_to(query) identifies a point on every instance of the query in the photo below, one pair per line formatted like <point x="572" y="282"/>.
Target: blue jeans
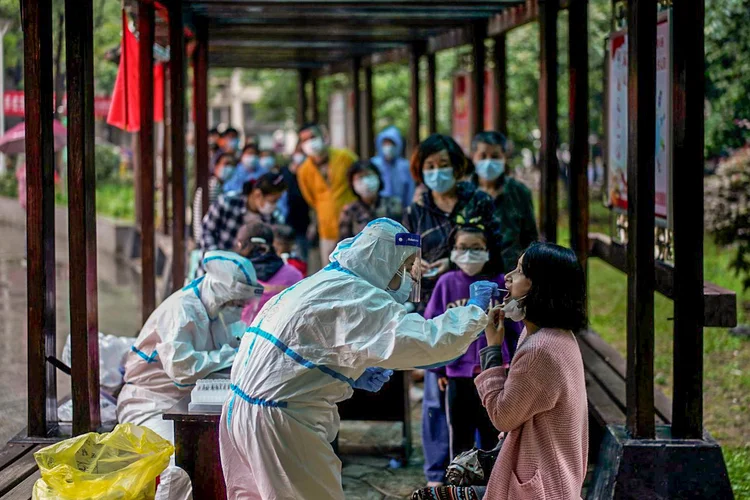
<point x="435" y="437"/>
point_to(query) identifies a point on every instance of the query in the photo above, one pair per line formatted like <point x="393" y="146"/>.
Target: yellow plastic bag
<point x="122" y="464"/>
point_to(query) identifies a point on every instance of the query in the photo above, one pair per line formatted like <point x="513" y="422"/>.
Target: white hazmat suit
<point x="192" y="334"/>
<point x="304" y="351"/>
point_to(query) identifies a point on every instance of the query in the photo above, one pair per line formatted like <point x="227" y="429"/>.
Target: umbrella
<point x="14" y="140"/>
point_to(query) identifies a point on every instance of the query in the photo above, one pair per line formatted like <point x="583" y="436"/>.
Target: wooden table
<point x="196" y="442"/>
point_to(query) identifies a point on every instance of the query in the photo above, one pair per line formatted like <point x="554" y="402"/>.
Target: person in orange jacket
<point x="324" y="184"/>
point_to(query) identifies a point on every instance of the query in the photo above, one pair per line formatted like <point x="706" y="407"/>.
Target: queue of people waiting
<point x="502" y="371"/>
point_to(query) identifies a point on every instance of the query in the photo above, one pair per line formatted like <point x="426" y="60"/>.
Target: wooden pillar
<point x="146" y="142"/>
<point x="303" y="77"/>
<point x="165" y="153"/>
<point x="356" y="67"/>
<point x="578" y="117"/>
<point x="501" y="85"/>
<point x="431" y="95"/>
<point x="641" y="186"/>
<point x="548" y="117"/>
<point x="200" y="104"/>
<point x="40" y="214"/>
<point x="478" y="53"/>
<point x="177" y="102"/>
<point x="314" y="116"/>
<point x="413" y="135"/>
<point x="84" y="328"/>
<point x="688" y="95"/>
<point x="368" y="118"/>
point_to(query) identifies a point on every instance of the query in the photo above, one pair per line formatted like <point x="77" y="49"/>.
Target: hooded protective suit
<point x="394" y="171"/>
<point x="190" y="335"/>
<point x="302" y="354"/>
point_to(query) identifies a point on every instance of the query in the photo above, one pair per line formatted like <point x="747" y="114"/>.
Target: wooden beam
<point x="146" y="143"/>
<point x="578" y="118"/>
<point x="641" y="186"/>
<point x="414" y="55"/>
<point x="200" y="104"/>
<point x="356" y="80"/>
<point x="165" y="154"/>
<point x="40" y="215"/>
<point x="302" y="79"/>
<point x="431" y="94"/>
<point x="368" y="117"/>
<point x="478" y="53"/>
<point x="548" y="117"/>
<point x="84" y="328"/>
<point x="720" y="304"/>
<point x="314" y="100"/>
<point x="501" y="85"/>
<point x="177" y="100"/>
<point x="687" y="103"/>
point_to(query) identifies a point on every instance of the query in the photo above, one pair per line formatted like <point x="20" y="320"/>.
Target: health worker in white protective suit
<point x="310" y="345"/>
<point x="194" y="333"/>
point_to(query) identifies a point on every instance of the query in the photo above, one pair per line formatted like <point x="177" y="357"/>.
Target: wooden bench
<point x="605" y="386"/>
<point x="18" y="471"/>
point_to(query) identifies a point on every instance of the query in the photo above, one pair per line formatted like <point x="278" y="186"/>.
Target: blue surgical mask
<point x="249" y="162"/>
<point x="226" y="172"/>
<point x="440" y="180"/>
<point x="234" y="144"/>
<point x="490" y="169"/>
<point x="389" y="151"/>
<point x="267" y="162"/>
<point x="404" y="290"/>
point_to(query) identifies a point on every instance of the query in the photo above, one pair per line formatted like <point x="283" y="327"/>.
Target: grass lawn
<point x="726" y="358"/>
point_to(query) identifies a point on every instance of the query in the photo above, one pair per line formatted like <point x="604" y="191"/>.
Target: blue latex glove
<point x="481" y="293"/>
<point x="373" y="379"/>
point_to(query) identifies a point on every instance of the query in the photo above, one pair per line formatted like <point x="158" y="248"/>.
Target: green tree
<point x="727" y="74"/>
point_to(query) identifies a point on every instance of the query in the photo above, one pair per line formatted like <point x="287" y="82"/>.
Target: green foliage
<point x="727" y="74"/>
<point x="279" y="101"/>
<point x="728" y="209"/>
<point x="107" y="162"/>
<point x="8" y="184"/>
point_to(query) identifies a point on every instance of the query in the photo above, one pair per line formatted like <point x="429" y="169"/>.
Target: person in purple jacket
<point x="465" y="413"/>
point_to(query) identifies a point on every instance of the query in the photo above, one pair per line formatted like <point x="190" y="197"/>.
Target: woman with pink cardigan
<point x="540" y="403"/>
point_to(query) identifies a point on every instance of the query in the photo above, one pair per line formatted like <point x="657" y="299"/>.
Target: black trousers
<point x="467" y="417"/>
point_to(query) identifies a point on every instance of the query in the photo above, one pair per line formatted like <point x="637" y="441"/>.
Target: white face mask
<point x="249" y="161"/>
<point x="404" y="290"/>
<point x="470" y="261"/>
<point x="514" y="310"/>
<point x="367" y="186"/>
<point x="313" y="147"/>
<point x="389" y="151"/>
<point x="267" y="208"/>
<point x="298" y="158"/>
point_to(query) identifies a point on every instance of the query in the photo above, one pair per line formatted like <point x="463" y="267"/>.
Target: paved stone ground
<point x="366" y="476"/>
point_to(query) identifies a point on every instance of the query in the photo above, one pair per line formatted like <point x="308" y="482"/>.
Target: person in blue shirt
<point x="248" y="169"/>
<point x="393" y="167"/>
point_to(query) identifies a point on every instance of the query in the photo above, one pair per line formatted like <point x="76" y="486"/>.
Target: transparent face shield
<point x="415" y="271"/>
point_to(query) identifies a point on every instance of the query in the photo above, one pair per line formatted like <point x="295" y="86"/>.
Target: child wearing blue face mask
<point x="513" y="203"/>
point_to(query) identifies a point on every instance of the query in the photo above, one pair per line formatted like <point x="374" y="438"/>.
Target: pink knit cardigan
<point x="542" y="406"/>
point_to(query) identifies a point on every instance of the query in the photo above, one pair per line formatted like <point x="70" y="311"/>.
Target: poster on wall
<point x="617" y="120"/>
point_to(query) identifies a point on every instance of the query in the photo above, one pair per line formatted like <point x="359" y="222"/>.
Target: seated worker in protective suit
<point x="194" y="333"/>
<point x="312" y="344"/>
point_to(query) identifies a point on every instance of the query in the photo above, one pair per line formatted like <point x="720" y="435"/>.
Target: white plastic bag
<point x="112" y="351"/>
<point x="107" y="408"/>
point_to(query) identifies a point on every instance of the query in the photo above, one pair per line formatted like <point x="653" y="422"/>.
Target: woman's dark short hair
<point x="359" y="167"/>
<point x="269" y="183"/>
<point x="557" y="298"/>
<point x="250" y="147"/>
<point x="434" y="144"/>
<point x="489" y="137"/>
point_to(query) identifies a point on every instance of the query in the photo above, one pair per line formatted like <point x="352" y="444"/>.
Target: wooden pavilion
<point x="648" y="449"/>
